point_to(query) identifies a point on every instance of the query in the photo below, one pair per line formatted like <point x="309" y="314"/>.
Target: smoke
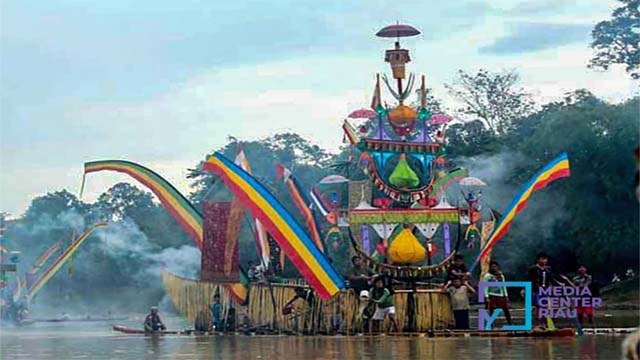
<point x="495" y="171"/>
<point x="534" y="226"/>
<point x="118" y="268"/>
<point x="45" y="223"/>
<point x="183" y="261"/>
<point x="124" y="240"/>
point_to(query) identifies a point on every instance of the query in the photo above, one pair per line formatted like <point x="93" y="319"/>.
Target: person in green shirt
<point x="496" y="297"/>
<point x="383" y="299"/>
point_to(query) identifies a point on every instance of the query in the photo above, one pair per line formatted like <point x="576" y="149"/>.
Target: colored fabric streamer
<point x="447" y="239"/>
<point x="263" y="242"/>
<point x="293" y="240"/>
<point x="302" y="203"/>
<point x="239" y="291"/>
<point x="487" y="229"/>
<point x="318" y="203"/>
<point x="60" y="261"/>
<point x="181" y="209"/>
<point x="260" y="234"/>
<point x="556" y="169"/>
<point x="366" y="239"/>
<point x="44" y="257"/>
<point x="234" y="225"/>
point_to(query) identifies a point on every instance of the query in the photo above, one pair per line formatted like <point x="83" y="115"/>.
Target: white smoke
<point x="544" y="208"/>
<point x="124" y="240"/>
<point x="64" y="220"/>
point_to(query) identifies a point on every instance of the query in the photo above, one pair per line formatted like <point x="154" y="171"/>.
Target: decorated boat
<point x="406" y="219"/>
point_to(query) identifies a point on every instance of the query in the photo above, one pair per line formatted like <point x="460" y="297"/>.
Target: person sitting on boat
<point x="459" y="293"/>
<point x="216" y="313"/>
<point x="383" y="299"/>
<point x="540" y="275"/>
<point x="359" y="276"/>
<point x="152" y="322"/>
<point x="496" y="296"/>
<point x="458" y="269"/>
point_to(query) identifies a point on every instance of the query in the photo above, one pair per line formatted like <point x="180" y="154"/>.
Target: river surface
<point x="98" y="341"/>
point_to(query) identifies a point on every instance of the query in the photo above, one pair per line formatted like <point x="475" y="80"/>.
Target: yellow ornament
<point x="406" y="249"/>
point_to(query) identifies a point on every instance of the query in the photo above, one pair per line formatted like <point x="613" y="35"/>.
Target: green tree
<point x="493" y="98"/>
<point x="596" y="206"/>
<point x="617" y="41"/>
<point x="54" y="204"/>
<point x="124" y="200"/>
<point x="471" y="138"/>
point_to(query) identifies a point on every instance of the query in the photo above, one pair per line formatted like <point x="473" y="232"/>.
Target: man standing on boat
<point x="216" y="313"/>
<point x="496" y="296"/>
<point x="383" y="299"/>
<point x="540" y="275"/>
<point x="359" y="276"/>
<point x="152" y="322"/>
<point x="582" y="279"/>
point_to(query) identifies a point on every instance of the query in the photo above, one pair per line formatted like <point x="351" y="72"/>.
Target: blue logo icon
<point x="485" y="320"/>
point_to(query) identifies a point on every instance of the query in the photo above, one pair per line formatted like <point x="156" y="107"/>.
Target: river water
<point x="98" y="341"/>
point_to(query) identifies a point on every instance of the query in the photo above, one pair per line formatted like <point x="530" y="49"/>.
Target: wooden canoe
<point x="128" y="330"/>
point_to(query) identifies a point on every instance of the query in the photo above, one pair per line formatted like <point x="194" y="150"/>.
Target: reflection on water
<point x="96" y="341"/>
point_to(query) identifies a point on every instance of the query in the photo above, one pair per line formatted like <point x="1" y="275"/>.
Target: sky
<point x="164" y="83"/>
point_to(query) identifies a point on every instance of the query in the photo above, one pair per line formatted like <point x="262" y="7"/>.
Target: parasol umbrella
<point x="363" y="114"/>
<point x="472" y="181"/>
<point x="397" y="31"/>
<point x="439" y="119"/>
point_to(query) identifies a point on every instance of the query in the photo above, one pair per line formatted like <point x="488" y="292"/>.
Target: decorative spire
<point x="376" y="100"/>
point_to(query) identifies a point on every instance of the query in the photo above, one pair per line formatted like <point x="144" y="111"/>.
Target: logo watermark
<point x="485" y="320"/>
<point x="565" y="302"/>
<point x="552" y="302"/>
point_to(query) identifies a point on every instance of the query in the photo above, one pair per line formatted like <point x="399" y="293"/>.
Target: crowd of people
<point x="376" y="302"/>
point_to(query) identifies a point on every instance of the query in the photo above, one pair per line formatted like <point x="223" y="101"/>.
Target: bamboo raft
<point x="339" y="315"/>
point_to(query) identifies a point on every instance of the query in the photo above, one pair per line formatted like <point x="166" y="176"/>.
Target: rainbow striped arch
<point x="179" y="207"/>
<point x="291" y="237"/>
<point x="556" y="169"/>
<point x="62" y="258"/>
